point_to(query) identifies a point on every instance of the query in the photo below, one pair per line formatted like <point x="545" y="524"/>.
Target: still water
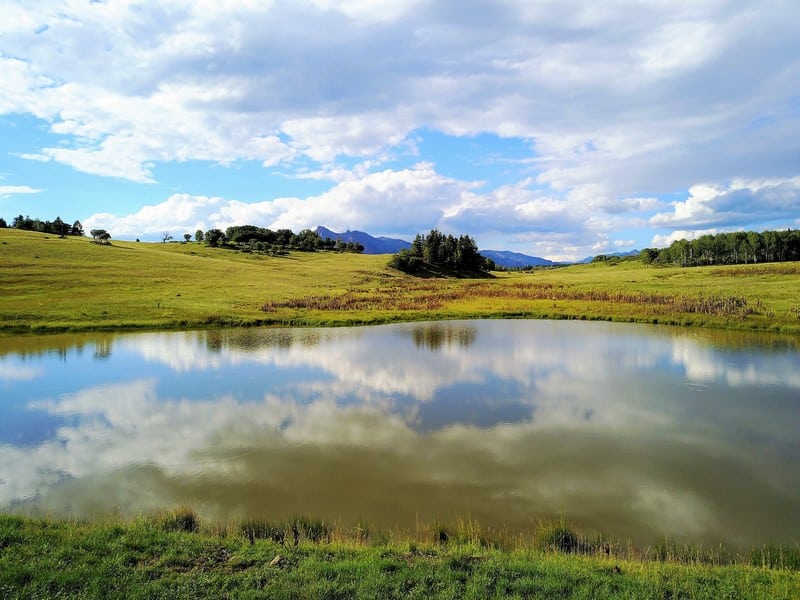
<point x="633" y="431"/>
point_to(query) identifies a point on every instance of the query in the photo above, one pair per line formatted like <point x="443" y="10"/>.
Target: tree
<point x="21" y="222"/>
<point x="76" y="229"/>
<point x="214" y="238"/>
<point x="443" y="252"/>
<point x="198" y="235"/>
<point x="283" y="237"/>
<point x="187" y="237"/>
<point x="100" y="236"/>
<point x="59" y="227"/>
<point x="417" y="245"/>
<point x="3" y="224"/>
<point x="467" y="256"/>
<point x="242" y="234"/>
<point x="165" y="237"/>
<point x="307" y="241"/>
<point x="648" y="255"/>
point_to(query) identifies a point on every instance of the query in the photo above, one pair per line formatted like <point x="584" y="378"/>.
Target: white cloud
<point x="180" y="212"/>
<point x="412" y="196"/>
<point x="740" y="202"/>
<point x="620" y="103"/>
<point x="591" y="86"/>
<point x="417" y="199"/>
<point x="8" y="190"/>
<point x="662" y="241"/>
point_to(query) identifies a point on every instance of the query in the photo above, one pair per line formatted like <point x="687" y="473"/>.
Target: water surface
<point x="634" y="431"/>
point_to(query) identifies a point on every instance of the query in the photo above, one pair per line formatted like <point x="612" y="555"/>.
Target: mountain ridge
<point x="387" y="245"/>
<point x="508" y="259"/>
<point x="372" y="244"/>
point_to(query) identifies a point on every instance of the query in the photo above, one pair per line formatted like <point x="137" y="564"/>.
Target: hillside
<point x="52" y="284"/>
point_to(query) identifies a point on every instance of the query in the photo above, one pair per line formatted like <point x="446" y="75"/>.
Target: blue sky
<point x="559" y="129"/>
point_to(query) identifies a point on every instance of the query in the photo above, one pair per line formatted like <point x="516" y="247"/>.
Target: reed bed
<point x="436" y="295"/>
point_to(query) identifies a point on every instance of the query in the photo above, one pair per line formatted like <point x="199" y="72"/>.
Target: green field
<point x="52" y="284"/>
<point x="174" y="557"/>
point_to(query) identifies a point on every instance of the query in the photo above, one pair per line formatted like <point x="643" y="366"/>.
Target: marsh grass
<point x="426" y="295"/>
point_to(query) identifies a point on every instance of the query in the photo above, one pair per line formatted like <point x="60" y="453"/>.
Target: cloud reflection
<point x="611" y="435"/>
<point x="16" y="372"/>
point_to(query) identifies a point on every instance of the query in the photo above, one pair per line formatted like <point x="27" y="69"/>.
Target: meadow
<point x="48" y="284"/>
<point x="53" y="284"/>
<point x="175" y="555"/>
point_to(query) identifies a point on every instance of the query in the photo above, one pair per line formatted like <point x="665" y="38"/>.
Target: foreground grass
<point x="169" y="558"/>
<point x="50" y="284"/>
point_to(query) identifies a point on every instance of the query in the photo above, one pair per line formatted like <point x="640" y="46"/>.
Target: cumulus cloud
<point x="417" y="199"/>
<point x="739" y="203"/>
<point x="412" y="196"/>
<point x="629" y="101"/>
<point x="662" y="241"/>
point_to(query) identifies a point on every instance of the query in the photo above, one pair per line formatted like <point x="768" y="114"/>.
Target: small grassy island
<point x="56" y="284"/>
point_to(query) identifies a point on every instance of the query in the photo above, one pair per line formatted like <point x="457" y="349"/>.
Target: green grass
<point x="52" y="284"/>
<point x="149" y="558"/>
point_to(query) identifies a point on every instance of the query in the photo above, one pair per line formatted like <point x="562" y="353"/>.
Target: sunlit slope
<point x="51" y="283"/>
<point x="72" y="283"/>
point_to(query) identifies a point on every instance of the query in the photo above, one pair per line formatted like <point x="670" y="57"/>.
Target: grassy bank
<point x="52" y="284"/>
<point x="173" y="556"/>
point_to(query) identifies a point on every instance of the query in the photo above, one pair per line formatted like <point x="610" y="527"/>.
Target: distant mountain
<point x="372" y="245"/>
<point x="385" y="245"/>
<point x="589" y="259"/>
<point x="511" y="260"/>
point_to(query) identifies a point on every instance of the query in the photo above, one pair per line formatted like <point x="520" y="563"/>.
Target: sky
<point x="560" y="129"/>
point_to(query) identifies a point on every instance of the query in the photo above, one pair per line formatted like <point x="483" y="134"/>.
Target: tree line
<point x="250" y="238"/>
<point x="441" y="252"/>
<point x="739" y="247"/>
<point x="56" y="227"/>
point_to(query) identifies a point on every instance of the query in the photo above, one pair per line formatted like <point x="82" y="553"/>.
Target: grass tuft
<point x="180" y="519"/>
<point x="558" y="536"/>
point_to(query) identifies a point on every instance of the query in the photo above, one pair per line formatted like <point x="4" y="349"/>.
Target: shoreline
<point x="173" y="554"/>
<point x="337" y="321"/>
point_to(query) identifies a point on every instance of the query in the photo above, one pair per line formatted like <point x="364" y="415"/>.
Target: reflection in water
<point x="435" y="335"/>
<point x="634" y="431"/>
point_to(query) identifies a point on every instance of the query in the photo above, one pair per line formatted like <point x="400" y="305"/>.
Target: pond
<point x="634" y="431"/>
